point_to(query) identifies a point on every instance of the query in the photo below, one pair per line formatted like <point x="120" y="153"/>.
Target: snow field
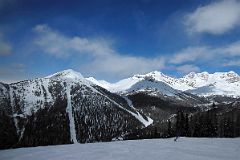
<point x="153" y="149"/>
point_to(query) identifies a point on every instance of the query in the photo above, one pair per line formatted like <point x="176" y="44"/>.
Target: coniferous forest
<point x="217" y="121"/>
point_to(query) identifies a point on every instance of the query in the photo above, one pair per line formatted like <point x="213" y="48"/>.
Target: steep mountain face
<point x="63" y="108"/>
<point x="163" y="91"/>
<point x="203" y="84"/>
<point x="160" y="109"/>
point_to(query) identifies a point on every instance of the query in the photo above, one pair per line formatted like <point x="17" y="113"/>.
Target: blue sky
<point x="114" y="39"/>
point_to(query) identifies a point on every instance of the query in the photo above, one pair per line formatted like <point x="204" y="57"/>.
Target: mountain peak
<point x="190" y="75"/>
<point x="204" y="73"/>
<point x="153" y="74"/>
<point x="66" y="74"/>
<point x="232" y="74"/>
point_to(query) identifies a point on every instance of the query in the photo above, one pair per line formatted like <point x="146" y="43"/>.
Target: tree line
<point x="212" y="123"/>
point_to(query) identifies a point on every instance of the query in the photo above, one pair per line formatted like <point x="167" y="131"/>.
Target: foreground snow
<point x="166" y="149"/>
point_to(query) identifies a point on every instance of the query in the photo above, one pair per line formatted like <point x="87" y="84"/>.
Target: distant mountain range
<point x="203" y="84"/>
<point x="67" y="108"/>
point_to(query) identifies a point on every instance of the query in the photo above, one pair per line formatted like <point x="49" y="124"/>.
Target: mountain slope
<point x="67" y="108"/>
<point x="203" y="84"/>
<point x="64" y="108"/>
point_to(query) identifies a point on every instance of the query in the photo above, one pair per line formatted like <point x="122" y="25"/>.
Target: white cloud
<point x="215" y="18"/>
<point x="233" y="49"/>
<point x="97" y="56"/>
<point x="116" y="64"/>
<point x="98" y="47"/>
<point x="188" y="68"/>
<point x="207" y="55"/>
<point x="103" y="58"/>
<point x="232" y="63"/>
<point x="55" y="43"/>
<point x="190" y="54"/>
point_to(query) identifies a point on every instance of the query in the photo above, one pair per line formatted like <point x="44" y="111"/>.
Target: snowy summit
<point x="203" y="84"/>
<point x="66" y="74"/>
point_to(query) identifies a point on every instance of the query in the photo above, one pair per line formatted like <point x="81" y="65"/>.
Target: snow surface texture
<point x="204" y="83"/>
<point x="165" y="149"/>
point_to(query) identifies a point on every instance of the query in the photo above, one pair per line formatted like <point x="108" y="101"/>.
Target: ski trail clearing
<point x="70" y="116"/>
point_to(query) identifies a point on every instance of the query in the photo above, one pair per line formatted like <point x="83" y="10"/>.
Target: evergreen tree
<point x="178" y="125"/>
<point x="169" y="129"/>
<point x="186" y="126"/>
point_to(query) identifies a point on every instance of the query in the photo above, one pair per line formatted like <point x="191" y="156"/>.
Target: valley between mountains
<point x="66" y="108"/>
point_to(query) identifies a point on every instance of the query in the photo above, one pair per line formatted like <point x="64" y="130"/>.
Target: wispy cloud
<point x="207" y="55"/>
<point x="13" y="72"/>
<point x="191" y="54"/>
<point x="104" y="59"/>
<point x="232" y="63"/>
<point x="232" y="50"/>
<point x="116" y="64"/>
<point x="59" y="45"/>
<point x="5" y="47"/>
<point x="187" y="68"/>
<point x="215" y="18"/>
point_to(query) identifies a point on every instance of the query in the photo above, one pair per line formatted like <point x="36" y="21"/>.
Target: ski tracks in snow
<point x="138" y="115"/>
<point x="69" y="110"/>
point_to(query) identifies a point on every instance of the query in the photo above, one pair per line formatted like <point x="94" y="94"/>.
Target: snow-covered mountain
<point x="203" y="84"/>
<point x="125" y="84"/>
<point x="63" y="108"/>
<point x="66" y="108"/>
<point x="219" y="83"/>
